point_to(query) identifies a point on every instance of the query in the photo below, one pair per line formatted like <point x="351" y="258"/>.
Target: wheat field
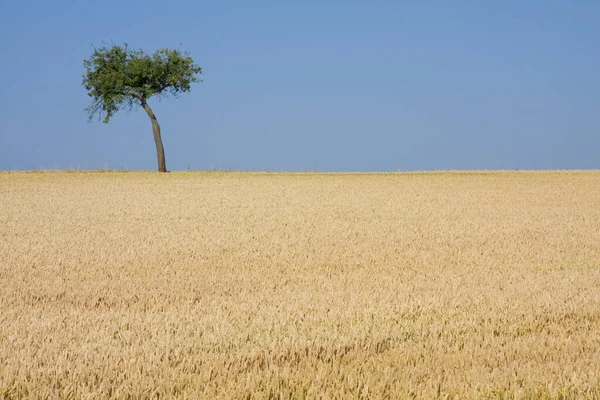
<point x="300" y="285"/>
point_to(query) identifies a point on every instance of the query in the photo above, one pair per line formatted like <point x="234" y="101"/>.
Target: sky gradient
<point x="313" y="86"/>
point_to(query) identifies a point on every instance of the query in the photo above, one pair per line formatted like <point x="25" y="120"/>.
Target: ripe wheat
<point x="263" y="285"/>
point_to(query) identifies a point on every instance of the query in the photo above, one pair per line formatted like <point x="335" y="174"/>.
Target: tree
<point x="120" y="78"/>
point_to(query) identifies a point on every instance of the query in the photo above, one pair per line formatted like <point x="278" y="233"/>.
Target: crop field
<point x="300" y="285"/>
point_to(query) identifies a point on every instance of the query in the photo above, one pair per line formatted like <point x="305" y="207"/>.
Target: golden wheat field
<point x="300" y="285"/>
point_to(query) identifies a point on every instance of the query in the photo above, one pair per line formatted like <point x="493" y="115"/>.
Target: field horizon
<point x="249" y="171"/>
<point x="260" y="284"/>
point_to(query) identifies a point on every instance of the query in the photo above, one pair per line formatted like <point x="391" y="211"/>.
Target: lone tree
<point x="120" y="78"/>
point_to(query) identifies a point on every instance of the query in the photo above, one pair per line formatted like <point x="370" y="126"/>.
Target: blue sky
<point x="313" y="85"/>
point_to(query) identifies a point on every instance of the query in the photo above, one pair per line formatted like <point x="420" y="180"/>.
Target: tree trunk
<point x="160" y="150"/>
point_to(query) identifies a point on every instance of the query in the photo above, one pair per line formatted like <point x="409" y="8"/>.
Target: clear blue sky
<point x="313" y="85"/>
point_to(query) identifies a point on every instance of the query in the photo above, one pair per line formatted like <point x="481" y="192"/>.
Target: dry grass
<point x="244" y="285"/>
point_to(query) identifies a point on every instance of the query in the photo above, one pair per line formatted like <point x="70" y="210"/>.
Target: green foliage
<point x="120" y="78"/>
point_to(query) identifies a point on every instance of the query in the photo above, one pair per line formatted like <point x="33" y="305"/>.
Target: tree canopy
<point x="119" y="77"/>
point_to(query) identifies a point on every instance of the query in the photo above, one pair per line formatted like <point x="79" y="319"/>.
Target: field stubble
<point x="261" y="285"/>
